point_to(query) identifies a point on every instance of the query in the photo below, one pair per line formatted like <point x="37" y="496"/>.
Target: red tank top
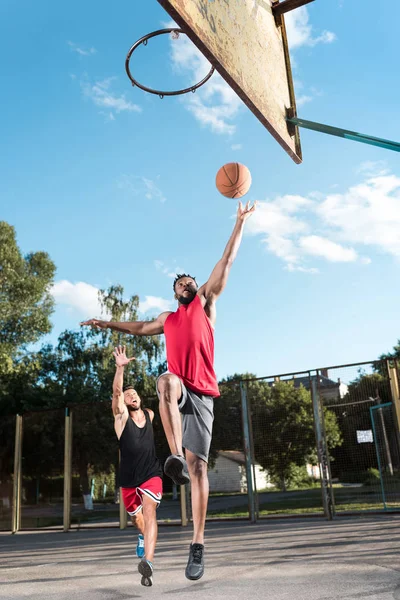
<point x="189" y="338"/>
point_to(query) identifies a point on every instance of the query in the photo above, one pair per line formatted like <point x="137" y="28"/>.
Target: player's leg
<point x="199" y="492"/>
<point x="151" y="528"/>
<point x="133" y="505"/>
<point x="169" y="389"/>
<point x="198" y="416"/>
<point x="138" y="522"/>
<point x="151" y="492"/>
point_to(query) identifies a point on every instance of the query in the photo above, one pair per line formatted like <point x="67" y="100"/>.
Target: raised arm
<point x="219" y="276"/>
<point x="119" y="408"/>
<point x="155" y="327"/>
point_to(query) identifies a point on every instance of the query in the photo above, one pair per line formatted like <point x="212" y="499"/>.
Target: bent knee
<point x="170" y="383"/>
<point x="198" y="468"/>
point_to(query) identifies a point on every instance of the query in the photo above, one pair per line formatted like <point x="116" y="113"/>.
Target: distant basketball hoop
<point x="175" y="34"/>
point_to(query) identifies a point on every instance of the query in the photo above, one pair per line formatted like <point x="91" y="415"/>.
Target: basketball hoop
<point x="175" y="33"/>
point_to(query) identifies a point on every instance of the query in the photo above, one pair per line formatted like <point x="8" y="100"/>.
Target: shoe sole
<point x="146" y="572"/>
<point x="174" y="470"/>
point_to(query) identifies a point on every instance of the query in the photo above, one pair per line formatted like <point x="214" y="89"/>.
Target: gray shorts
<point x="197" y="420"/>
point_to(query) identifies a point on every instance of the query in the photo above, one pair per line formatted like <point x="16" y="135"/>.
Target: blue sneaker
<point x="145" y="568"/>
<point x="140" y="546"/>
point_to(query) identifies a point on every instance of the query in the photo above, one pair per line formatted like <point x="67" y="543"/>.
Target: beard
<point x="187" y="299"/>
<point x="133" y="408"/>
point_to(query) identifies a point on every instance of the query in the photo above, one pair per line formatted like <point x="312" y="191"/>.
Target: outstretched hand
<point x="95" y="323"/>
<point x="244" y="212"/>
<point x="121" y="360"/>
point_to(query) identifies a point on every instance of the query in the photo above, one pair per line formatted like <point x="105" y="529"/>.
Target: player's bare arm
<point x="119" y="408"/>
<point x="219" y="276"/>
<point x="155" y="327"/>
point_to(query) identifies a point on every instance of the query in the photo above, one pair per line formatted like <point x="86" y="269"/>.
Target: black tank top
<point x="138" y="454"/>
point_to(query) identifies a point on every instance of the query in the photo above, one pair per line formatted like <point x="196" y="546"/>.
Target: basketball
<point x="233" y="180"/>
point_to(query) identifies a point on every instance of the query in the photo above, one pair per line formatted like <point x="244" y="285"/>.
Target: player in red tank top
<point x="187" y="390"/>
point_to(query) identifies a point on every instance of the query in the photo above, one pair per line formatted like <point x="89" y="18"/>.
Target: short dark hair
<point x="128" y="387"/>
<point x="180" y="276"/>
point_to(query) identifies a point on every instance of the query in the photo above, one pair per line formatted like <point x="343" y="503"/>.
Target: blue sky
<point x="118" y="186"/>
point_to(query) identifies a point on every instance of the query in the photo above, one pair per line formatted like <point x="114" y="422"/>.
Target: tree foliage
<point x="25" y="300"/>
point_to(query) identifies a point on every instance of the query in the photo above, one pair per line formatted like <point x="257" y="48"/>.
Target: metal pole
<point x="247" y="453"/>
<point x="184" y="517"/>
<point x="344" y="133"/>
<point x="395" y="389"/>
<point x="17" y="487"/>
<point x="67" y="470"/>
<point x="323" y="459"/>
<point x="279" y="8"/>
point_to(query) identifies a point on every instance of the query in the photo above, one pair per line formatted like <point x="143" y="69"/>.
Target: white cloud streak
<point x="81" y="51"/>
<point x="83" y="299"/>
<point x="300" y="31"/>
<point x="215" y="105"/>
<point x="79" y="297"/>
<point x="141" y="186"/>
<point x="102" y="95"/>
<point x="336" y="228"/>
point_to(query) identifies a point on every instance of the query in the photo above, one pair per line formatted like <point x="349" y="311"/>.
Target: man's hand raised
<point x="244" y="212"/>
<point x="121" y="360"/>
<point x="96" y="323"/>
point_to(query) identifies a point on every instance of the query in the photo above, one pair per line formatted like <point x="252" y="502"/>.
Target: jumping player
<point x="140" y="471"/>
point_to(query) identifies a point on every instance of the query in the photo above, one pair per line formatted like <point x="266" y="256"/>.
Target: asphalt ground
<point x="349" y="558"/>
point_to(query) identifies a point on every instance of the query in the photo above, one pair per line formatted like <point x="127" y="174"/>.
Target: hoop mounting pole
<point x="279" y="8"/>
<point x="345" y="133"/>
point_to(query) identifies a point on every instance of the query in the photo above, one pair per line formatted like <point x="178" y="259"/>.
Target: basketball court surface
<point x="349" y="558"/>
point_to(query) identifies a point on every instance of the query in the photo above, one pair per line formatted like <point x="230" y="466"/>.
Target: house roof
<point x="234" y="455"/>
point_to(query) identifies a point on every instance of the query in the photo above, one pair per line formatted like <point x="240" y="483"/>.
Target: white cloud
<point x="236" y="147"/>
<point x="215" y="105"/>
<point x="80" y="297"/>
<point x="334" y="227"/>
<point x="333" y="252"/>
<point x="83" y="299"/>
<point x="155" y="304"/>
<point x="81" y="51"/>
<point x="303" y="99"/>
<point x="101" y="94"/>
<point x="171" y="272"/>
<point x="372" y="168"/>
<point x="300" y="32"/>
<point x="367" y="214"/>
<point x="141" y="186"/>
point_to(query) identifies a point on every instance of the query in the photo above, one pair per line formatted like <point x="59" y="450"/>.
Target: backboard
<point x="249" y="49"/>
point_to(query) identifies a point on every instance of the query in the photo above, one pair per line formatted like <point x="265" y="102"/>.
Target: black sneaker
<point x="145" y="568"/>
<point x="195" y="566"/>
<point x="176" y="468"/>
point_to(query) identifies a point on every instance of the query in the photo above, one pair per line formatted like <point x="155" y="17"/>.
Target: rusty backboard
<point x="249" y="49"/>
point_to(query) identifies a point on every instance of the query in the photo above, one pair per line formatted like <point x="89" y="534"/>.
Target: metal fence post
<point x="322" y="449"/>
<point x="123" y="515"/>
<point x="67" y="470"/>
<point x="17" y="483"/>
<point x="247" y="452"/>
<point x="395" y="389"/>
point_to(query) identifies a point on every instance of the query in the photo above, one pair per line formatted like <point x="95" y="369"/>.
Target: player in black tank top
<point x="140" y="471"/>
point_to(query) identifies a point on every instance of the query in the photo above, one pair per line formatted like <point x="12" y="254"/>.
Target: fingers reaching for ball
<point x="244" y="212"/>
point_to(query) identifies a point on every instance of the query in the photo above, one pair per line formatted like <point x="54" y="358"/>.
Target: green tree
<point x="79" y="373"/>
<point x="25" y="301"/>
<point x="283" y="428"/>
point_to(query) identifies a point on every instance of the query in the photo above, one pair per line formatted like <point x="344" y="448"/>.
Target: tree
<point x="25" y="300"/>
<point x="25" y="308"/>
<point x="79" y="373"/>
<point x="283" y="428"/>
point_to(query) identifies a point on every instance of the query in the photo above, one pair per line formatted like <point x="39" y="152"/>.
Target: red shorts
<point x="132" y="497"/>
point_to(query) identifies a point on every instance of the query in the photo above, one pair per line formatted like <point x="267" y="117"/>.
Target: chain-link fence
<point x="319" y="442"/>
